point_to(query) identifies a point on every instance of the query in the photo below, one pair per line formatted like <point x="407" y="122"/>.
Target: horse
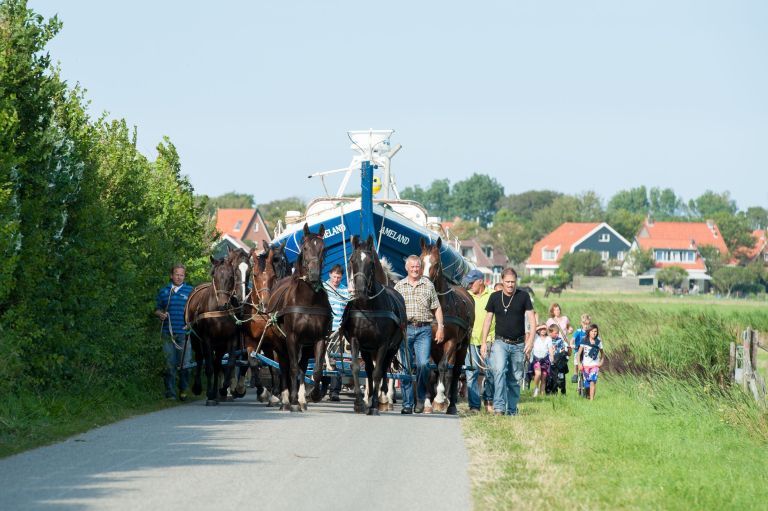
<point x="554" y="290"/>
<point x="213" y="331"/>
<point x="374" y="323"/>
<point x="304" y="315"/>
<point x="458" y="318"/>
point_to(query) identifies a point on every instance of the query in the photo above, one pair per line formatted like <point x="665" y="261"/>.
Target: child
<point x="559" y="367"/>
<point x="578" y="337"/>
<point x="542" y="354"/>
<point x="591" y="349"/>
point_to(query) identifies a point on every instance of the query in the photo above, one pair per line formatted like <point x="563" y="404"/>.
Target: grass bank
<point x="642" y="444"/>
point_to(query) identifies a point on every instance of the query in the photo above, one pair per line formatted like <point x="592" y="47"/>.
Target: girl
<point x="543" y="354"/>
<point x="591" y="350"/>
<point x="579" y="335"/>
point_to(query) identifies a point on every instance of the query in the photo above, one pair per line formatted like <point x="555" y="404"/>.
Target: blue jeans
<point x="472" y="362"/>
<point x="419" y="345"/>
<point x="172" y="358"/>
<point x="507" y="362"/>
<point x="488" y="381"/>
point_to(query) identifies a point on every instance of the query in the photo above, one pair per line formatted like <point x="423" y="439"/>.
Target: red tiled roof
<point x="227" y="219"/>
<point x="564" y="237"/>
<point x="760" y="244"/>
<point x="698" y="265"/>
<point x="680" y="235"/>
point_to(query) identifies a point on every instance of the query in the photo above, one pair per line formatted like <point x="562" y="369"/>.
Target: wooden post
<point x="732" y="363"/>
<point x="753" y="348"/>
<point x="746" y="341"/>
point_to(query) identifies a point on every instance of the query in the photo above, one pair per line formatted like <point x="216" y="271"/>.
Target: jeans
<point x="488" y="382"/>
<point x="172" y="358"/>
<point x="472" y="362"/>
<point x="507" y="362"/>
<point x="419" y="345"/>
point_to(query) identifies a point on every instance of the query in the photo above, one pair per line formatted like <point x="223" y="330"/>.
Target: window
<point x="468" y="253"/>
<point x="605" y="237"/>
<point x="548" y="255"/>
<point x="605" y="255"/>
<point x="256" y="227"/>
<point x="238" y="225"/>
<point x="620" y="255"/>
<point x="488" y="251"/>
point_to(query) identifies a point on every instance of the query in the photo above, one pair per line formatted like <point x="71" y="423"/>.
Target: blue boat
<point x="398" y="226"/>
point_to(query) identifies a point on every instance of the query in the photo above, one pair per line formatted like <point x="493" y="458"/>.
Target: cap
<point x="541" y="326"/>
<point x="472" y="276"/>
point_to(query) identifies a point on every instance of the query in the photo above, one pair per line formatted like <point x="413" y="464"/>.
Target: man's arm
<point x="440" y="335"/>
<point x="484" y="332"/>
<point x="531" y="332"/>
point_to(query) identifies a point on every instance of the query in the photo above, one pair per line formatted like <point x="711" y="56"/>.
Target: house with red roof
<point x="757" y="252"/>
<point x="573" y="237"/>
<point x="242" y="228"/>
<point x="489" y="259"/>
<point x="677" y="244"/>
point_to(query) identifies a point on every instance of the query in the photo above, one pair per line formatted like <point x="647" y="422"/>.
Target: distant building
<point x="489" y="259"/>
<point x="573" y="237"/>
<point x="677" y="244"/>
<point x="240" y="228"/>
<point x="757" y="252"/>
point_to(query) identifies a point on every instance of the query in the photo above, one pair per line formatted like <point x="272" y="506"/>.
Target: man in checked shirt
<point x="421" y="306"/>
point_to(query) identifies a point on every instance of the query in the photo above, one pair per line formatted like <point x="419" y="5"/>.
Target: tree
<point x="512" y="236"/>
<point x="583" y="263"/>
<point x="524" y="205"/>
<point x="735" y="229"/>
<point x="436" y="199"/>
<point x="757" y="218"/>
<point x="640" y="261"/>
<point x="626" y="223"/>
<point x="585" y="207"/>
<point x="727" y="278"/>
<point x="634" y="200"/>
<point x="229" y="200"/>
<point x="710" y="204"/>
<point x="672" y="276"/>
<point x="713" y="259"/>
<point x="476" y="198"/>
<point x="664" y="204"/>
<point x="275" y="210"/>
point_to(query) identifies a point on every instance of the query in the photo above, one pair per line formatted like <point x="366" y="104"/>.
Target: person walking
<point x="590" y="359"/>
<point x="475" y="282"/>
<point x="511" y="346"/>
<point x="169" y="307"/>
<point x="338" y="296"/>
<point x="421" y="306"/>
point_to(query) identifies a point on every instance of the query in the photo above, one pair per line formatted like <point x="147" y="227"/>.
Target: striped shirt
<point x="420" y="300"/>
<point x="173" y="302"/>
<point x="338" y="297"/>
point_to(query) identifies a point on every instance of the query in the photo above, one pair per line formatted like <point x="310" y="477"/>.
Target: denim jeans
<point x="472" y="363"/>
<point x="172" y="358"/>
<point x="419" y="345"/>
<point x="488" y="381"/>
<point x="507" y="362"/>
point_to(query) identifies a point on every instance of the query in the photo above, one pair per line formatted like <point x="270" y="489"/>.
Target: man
<point x="421" y="305"/>
<point x="169" y="308"/>
<point x="338" y="295"/>
<point x="509" y="308"/>
<point x="474" y="281"/>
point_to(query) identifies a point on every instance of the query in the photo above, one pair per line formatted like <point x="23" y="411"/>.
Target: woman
<point x="556" y="318"/>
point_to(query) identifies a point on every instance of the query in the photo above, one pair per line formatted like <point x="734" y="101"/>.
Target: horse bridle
<point x="368" y="280"/>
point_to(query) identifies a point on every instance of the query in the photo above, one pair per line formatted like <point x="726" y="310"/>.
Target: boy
<point x="578" y="337"/>
<point x="560" y="362"/>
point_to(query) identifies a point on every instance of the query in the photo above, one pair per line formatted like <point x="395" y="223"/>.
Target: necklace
<point x="507" y="305"/>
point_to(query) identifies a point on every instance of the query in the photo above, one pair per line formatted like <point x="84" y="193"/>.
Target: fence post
<point x="746" y="341"/>
<point x="732" y="363"/>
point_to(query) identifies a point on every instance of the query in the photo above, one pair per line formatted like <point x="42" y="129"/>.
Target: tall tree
<point x="274" y="211"/>
<point x="625" y="222"/>
<point x="524" y="205"/>
<point x="735" y="229"/>
<point x="634" y="200"/>
<point x="436" y="199"/>
<point x="757" y="217"/>
<point x="230" y="200"/>
<point x="476" y="198"/>
<point x="710" y="204"/>
<point x="664" y="204"/>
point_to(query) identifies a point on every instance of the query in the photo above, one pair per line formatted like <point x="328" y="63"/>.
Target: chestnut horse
<point x="304" y="315"/>
<point x="374" y="323"/>
<point x="458" y="318"/>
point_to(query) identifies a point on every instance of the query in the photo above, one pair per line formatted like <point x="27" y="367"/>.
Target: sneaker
<point x="335" y="397"/>
<point x="407" y="410"/>
<point x="419" y="408"/>
<point x="474" y="411"/>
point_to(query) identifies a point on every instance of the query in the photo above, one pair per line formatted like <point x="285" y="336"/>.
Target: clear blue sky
<point x="564" y="95"/>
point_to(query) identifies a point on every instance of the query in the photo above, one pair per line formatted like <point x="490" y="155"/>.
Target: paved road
<point x="194" y="457"/>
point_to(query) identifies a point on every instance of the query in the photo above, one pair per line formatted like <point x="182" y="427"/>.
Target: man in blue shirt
<point x="338" y="296"/>
<point x="169" y="307"/>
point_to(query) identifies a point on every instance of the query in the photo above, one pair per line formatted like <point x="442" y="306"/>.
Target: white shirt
<point x="541" y="346"/>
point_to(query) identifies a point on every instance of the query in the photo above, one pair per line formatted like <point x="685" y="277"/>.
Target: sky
<point x="560" y="95"/>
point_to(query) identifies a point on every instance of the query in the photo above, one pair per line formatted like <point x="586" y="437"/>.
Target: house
<point x="677" y="244"/>
<point x="240" y="228"/>
<point x="489" y="259"/>
<point x="573" y="237"/>
<point x="757" y="252"/>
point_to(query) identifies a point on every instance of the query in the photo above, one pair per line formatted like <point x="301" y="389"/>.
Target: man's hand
<point x="161" y="314"/>
<point x="527" y="350"/>
<point x="483" y="350"/>
<point x="440" y="335"/>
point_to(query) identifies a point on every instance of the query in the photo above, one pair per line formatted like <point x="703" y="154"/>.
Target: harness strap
<point x="373" y="314"/>
<point x="454" y="320"/>
<point x="301" y="309"/>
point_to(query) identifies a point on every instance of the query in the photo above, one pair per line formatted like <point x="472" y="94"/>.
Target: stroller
<point x="556" y="375"/>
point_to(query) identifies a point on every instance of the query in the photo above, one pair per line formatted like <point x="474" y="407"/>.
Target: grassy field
<point x="664" y="432"/>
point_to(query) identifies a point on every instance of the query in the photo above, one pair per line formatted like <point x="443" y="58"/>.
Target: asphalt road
<point x="196" y="457"/>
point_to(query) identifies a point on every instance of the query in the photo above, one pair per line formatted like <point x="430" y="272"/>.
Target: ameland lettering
<point x="391" y="233"/>
<point x="334" y="231"/>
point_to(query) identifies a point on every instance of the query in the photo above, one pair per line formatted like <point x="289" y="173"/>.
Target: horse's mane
<point x="386" y="269"/>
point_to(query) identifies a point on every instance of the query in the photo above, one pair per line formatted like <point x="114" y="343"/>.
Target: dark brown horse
<point x="304" y="315"/>
<point x="214" y="332"/>
<point x="458" y="318"/>
<point x="374" y="323"/>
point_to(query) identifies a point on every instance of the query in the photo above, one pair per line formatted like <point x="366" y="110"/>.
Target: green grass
<point x="642" y="444"/>
<point x="30" y="420"/>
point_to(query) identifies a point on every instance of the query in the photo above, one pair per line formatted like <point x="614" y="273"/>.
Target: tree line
<point x="89" y="228"/>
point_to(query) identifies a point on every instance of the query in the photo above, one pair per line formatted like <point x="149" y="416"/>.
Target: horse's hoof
<point x="373" y="411"/>
<point x="452" y="410"/>
<point x="229" y="399"/>
<point x="285" y="408"/>
<point x="295" y="408"/>
<point x="303" y="407"/>
<point x="428" y="409"/>
<point x="239" y="395"/>
<point x="211" y="402"/>
<point x="359" y="407"/>
<point x="222" y="392"/>
<point x="390" y="407"/>
<point x="384" y="407"/>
